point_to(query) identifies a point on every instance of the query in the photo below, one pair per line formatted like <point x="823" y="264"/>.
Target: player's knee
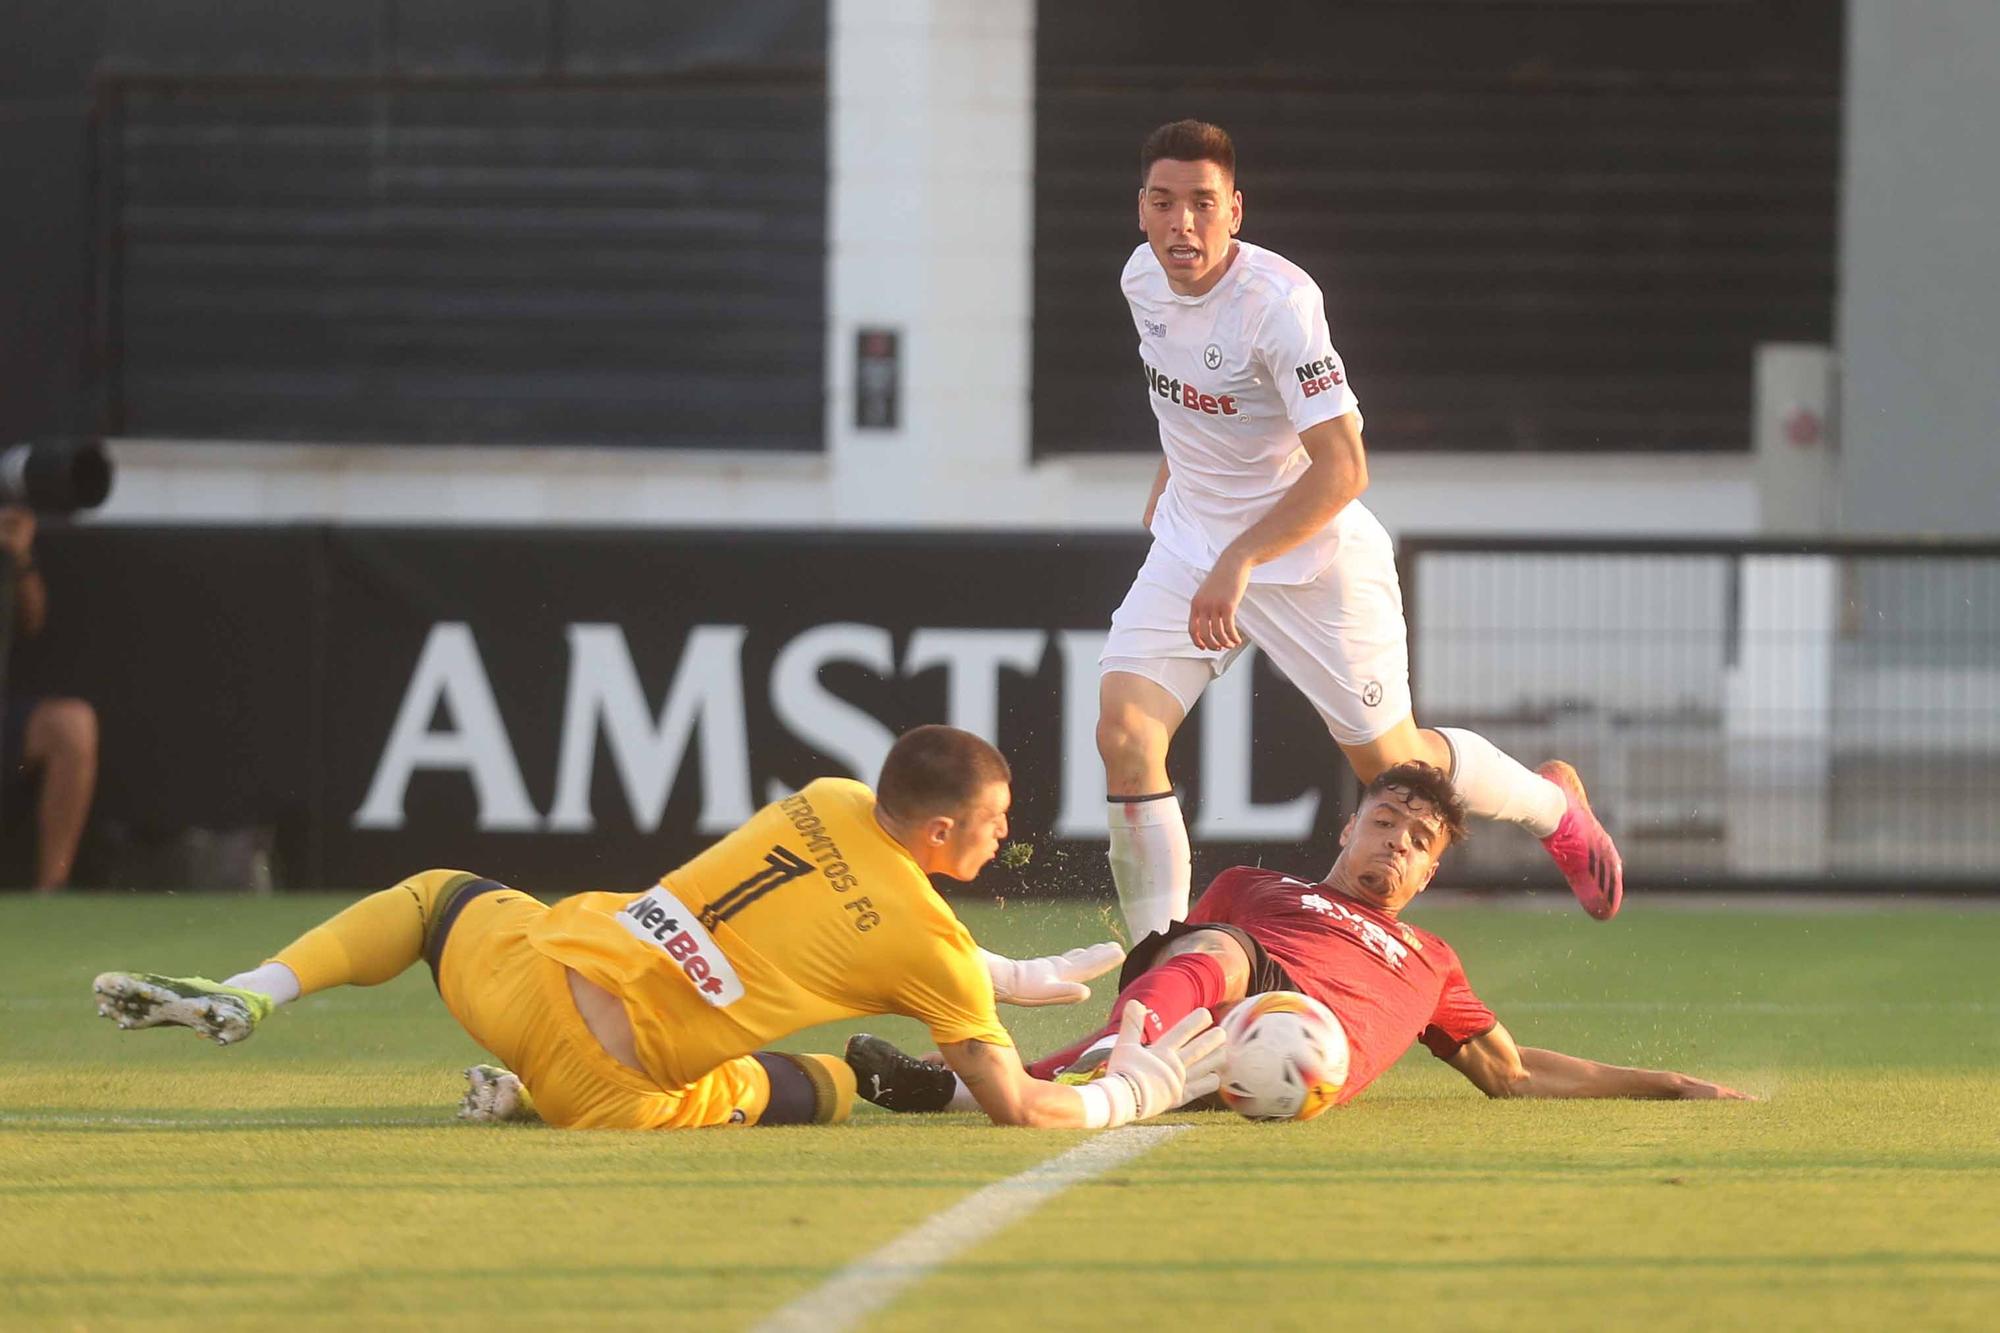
<point x="1224" y="948"/>
<point x="1235" y="971"/>
<point x="806" y="1089"/>
<point x="1128" y="741"/>
<point x="434" y="891"/>
<point x="1399" y="745"/>
<point x="65" y="729"/>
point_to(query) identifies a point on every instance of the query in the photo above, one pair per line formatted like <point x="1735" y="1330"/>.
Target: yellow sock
<point x="835" y="1087"/>
<point x="376" y="938"/>
<point x="798" y="1090"/>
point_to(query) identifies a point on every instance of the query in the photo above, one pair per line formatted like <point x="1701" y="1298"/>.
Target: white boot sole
<point x="133" y="1003"/>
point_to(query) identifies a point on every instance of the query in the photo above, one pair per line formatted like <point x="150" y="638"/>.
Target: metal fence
<point x="1745" y="713"/>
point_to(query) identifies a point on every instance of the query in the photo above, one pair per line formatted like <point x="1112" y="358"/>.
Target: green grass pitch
<point x="315" y="1179"/>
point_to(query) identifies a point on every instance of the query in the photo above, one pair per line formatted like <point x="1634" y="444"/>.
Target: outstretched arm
<point x="1140" y="1081"/>
<point x="1057" y="979"/>
<point x="1499" y="1068"/>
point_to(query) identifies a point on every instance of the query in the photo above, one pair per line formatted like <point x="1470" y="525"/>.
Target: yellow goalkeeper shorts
<point x="516" y="1003"/>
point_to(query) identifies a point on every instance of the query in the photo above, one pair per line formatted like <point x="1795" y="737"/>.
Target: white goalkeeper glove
<point x="1056" y="979"/>
<point x="1143" y="1081"/>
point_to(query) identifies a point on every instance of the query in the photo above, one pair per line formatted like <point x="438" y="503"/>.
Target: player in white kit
<point x="1259" y="537"/>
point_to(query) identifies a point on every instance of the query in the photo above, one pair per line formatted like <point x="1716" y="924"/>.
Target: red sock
<point x="1171" y="991"/>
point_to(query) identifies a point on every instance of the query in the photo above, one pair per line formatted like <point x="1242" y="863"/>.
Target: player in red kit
<point x="1339" y="940"/>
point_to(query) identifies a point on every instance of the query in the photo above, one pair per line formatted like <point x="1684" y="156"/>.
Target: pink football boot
<point x="1582" y="850"/>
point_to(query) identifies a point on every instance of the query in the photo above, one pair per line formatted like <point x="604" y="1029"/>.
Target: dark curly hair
<point x="1416" y="778"/>
<point x="1188" y="141"/>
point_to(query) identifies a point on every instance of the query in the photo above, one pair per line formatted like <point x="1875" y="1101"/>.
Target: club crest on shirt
<point x="1211" y="356"/>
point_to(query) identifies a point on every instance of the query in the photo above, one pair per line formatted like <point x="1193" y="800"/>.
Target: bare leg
<point x="1549" y="803"/>
<point x="1150" y="860"/>
<point x="61" y="742"/>
<point x="1494" y="785"/>
<point x="1136" y="722"/>
<point x="1171" y="990"/>
<point x="1399" y="745"/>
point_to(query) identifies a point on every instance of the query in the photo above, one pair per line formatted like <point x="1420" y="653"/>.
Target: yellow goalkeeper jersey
<point x="809" y="913"/>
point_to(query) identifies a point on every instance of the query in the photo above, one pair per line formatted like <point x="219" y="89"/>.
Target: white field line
<point x="1774" y="1008"/>
<point x="33" y="1004"/>
<point x="850" y="1297"/>
<point x="64" y="1119"/>
<point x="1832" y="902"/>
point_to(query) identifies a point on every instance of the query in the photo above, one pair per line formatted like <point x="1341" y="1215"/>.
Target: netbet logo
<point x="1317" y="377"/>
<point x="663" y="921"/>
<point x="1193" y="399"/>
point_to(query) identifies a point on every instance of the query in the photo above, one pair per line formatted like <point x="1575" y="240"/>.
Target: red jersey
<point x="1388" y="982"/>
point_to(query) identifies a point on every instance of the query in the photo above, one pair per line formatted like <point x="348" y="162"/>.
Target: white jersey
<point x="1234" y="376"/>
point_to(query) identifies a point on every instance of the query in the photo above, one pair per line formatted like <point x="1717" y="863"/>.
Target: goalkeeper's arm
<point x="1056" y="979"/>
<point x="1139" y="1081"/>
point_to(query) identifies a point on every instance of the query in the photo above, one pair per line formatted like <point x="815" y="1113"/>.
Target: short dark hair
<point x="936" y="770"/>
<point x="1188" y="141"/>
<point x="1424" y="780"/>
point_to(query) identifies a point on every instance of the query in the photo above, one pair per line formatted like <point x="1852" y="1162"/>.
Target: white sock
<point x="1150" y="862"/>
<point x="1496" y="786"/>
<point x="272" y="979"/>
<point x="961" y="1097"/>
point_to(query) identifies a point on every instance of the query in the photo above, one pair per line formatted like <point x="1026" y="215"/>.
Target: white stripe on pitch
<point x="851" y="1296"/>
<point x="114" y="1120"/>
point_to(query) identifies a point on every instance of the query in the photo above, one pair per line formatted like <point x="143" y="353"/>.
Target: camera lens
<point x="55" y="476"/>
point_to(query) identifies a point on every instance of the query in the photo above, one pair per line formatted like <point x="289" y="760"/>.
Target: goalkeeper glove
<point x="1143" y="1081"/>
<point x="1056" y="979"/>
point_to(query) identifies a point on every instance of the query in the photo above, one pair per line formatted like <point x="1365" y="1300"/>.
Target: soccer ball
<point x="1286" y="1057"/>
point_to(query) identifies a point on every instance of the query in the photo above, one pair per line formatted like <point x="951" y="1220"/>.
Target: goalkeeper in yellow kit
<point x="649" y="1010"/>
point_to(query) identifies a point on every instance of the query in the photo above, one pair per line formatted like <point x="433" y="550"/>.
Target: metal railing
<point x="1746" y="713"/>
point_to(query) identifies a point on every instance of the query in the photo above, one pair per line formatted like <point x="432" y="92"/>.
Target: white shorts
<point x="1340" y="639"/>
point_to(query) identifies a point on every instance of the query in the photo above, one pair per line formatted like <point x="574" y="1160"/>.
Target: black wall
<point x="48" y="49"/>
<point x="1538" y="226"/>
<point x="594" y="221"/>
